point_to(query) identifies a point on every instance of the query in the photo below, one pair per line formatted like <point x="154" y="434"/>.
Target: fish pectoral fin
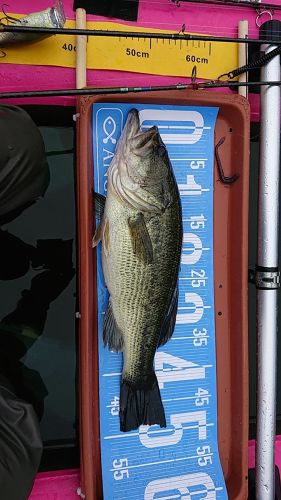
<point x="111" y="333"/>
<point x="170" y="319"/>
<point x="106" y="237"/>
<point x="98" y="204"/>
<point x="100" y="231"/>
<point x="142" y="246"/>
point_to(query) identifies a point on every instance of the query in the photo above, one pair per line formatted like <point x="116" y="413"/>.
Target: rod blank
<point x="130" y="34"/>
<point x="123" y="90"/>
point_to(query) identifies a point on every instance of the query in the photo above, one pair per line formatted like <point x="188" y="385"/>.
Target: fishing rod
<point x="130" y="34"/>
<point x="125" y="90"/>
<point x="232" y="3"/>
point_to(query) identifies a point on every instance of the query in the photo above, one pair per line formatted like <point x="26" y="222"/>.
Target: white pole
<point x="81" y="50"/>
<point x="243" y="30"/>
<point x="267" y="279"/>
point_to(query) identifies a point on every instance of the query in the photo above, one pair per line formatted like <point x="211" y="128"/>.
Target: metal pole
<point x="267" y="279"/>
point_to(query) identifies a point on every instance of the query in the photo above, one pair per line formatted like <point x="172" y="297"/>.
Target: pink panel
<point x="163" y="14"/>
<point x="63" y="485"/>
<point x="277" y="453"/>
<point x="57" y="485"/>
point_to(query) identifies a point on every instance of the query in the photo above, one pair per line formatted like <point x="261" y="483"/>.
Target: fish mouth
<point x="132" y="126"/>
<point x="140" y="143"/>
<point x="144" y="142"/>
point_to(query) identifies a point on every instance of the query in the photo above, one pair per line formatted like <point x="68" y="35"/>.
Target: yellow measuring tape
<point x="154" y="56"/>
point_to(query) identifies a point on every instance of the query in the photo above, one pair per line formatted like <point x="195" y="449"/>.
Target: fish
<point x="141" y="233"/>
<point x="52" y="17"/>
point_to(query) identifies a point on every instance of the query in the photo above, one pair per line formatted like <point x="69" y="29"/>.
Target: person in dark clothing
<point x="24" y="178"/>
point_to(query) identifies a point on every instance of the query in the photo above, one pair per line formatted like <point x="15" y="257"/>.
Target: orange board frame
<point x="230" y="284"/>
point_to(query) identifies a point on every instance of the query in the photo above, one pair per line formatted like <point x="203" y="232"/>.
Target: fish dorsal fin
<point x="111" y="333"/>
<point x="98" y="204"/>
<point x="142" y="246"/>
<point x="170" y="319"/>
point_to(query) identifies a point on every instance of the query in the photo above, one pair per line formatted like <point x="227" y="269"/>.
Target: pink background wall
<point x="63" y="485"/>
<point x="162" y="14"/>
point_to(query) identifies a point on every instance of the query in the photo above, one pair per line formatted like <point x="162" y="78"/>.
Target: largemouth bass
<point x="53" y="17"/>
<point x="141" y="233"/>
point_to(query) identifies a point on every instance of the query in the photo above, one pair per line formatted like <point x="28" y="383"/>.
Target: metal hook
<point x="194" y="74"/>
<point x="194" y="82"/>
<point x="224" y="179"/>
<point x="2" y="53"/>
<point x="9" y="18"/>
<point x="182" y="30"/>
<point x="262" y="12"/>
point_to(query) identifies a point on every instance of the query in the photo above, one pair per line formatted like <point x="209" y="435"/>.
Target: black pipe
<point x="128" y="34"/>
<point x="125" y="90"/>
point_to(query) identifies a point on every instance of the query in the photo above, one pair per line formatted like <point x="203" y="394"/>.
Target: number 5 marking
<point x="182" y="485"/>
<point x="176" y="422"/>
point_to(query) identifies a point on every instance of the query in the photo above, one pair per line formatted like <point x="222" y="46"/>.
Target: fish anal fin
<point x="111" y="333"/>
<point x="142" y="246"/>
<point x="170" y="319"/>
<point x="141" y="404"/>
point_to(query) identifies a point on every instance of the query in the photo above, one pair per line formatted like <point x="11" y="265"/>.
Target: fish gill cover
<point x="181" y="460"/>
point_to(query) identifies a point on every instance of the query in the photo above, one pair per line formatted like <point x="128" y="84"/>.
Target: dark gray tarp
<point x="24" y="172"/>
<point x="24" y="177"/>
<point x="20" y="444"/>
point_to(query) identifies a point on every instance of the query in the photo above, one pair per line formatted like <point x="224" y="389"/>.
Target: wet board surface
<point x="181" y="460"/>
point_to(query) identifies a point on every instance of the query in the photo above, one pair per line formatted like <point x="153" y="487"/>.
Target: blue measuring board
<point x="182" y="460"/>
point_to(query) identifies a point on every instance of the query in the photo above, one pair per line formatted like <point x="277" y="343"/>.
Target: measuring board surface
<point x="130" y="54"/>
<point x="182" y="460"/>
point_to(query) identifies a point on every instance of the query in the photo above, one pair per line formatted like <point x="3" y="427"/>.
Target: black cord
<point x="253" y="65"/>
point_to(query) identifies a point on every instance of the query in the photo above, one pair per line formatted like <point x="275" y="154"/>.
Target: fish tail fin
<point x="141" y="404"/>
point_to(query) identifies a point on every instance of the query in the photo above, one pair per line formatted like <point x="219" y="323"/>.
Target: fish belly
<point x="139" y="292"/>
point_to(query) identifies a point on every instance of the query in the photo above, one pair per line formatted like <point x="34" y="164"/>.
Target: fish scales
<point x="139" y="293"/>
<point x="141" y="233"/>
